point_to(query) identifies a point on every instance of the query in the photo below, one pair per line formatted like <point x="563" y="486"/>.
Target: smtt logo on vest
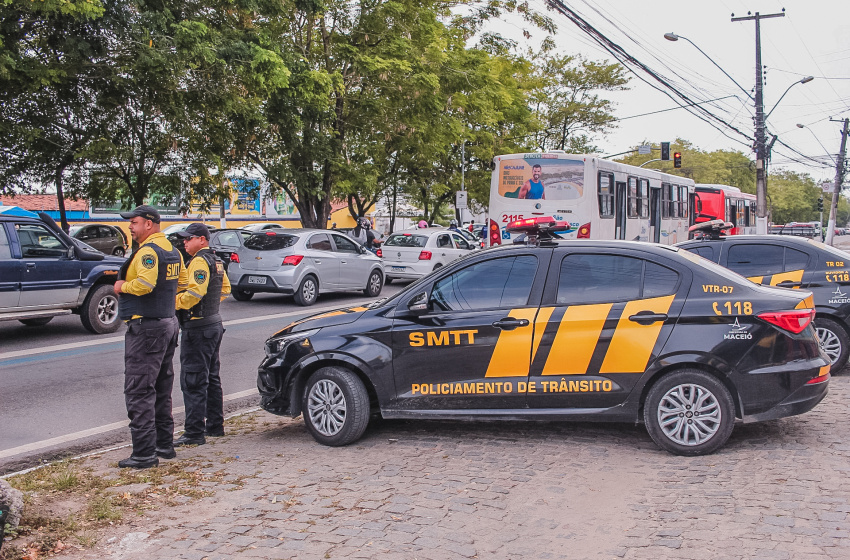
<point x="148" y="261"/>
<point x="200" y="276"/>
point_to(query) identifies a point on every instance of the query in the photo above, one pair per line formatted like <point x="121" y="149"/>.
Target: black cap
<point x="143" y="211"/>
<point x="195" y="230"/>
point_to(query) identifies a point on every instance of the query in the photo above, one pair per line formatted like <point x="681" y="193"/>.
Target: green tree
<point x="568" y="102"/>
<point x="723" y="167"/>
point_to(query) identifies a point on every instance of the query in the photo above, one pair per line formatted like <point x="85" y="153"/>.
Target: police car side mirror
<point x="418" y="304"/>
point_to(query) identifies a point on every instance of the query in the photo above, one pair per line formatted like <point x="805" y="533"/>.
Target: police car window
<point x="345" y="245"/>
<point x="406" y="240"/>
<point x="705" y="251"/>
<point x="795" y="260"/>
<point x="750" y="259"/>
<point x="264" y="242"/>
<point x="320" y="242"/>
<point x="658" y="280"/>
<point x="5" y="250"/>
<point x="37" y="241"/>
<point x="589" y="278"/>
<point x="492" y="284"/>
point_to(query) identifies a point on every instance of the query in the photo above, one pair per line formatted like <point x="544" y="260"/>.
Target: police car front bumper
<point x="275" y="379"/>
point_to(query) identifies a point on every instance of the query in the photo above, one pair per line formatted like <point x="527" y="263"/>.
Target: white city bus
<point x="600" y="199"/>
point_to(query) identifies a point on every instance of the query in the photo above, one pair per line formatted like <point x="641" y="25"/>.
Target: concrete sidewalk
<point x="490" y="490"/>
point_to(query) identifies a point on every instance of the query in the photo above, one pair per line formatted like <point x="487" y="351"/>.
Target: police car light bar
<point x="545" y="224"/>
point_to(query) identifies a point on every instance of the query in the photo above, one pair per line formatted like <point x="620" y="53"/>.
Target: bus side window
<point x="633" y="197"/>
<point x="665" y="200"/>
<point x="644" y="198"/>
<point x="683" y="202"/>
<point x="606" y="195"/>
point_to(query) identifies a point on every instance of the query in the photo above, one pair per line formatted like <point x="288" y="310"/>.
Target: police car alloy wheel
<point x="335" y="406"/>
<point x="689" y="412"/>
<point x="834" y="341"/>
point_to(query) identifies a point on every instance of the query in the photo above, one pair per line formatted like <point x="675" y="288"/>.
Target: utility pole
<point x="839" y="178"/>
<point x="762" y="153"/>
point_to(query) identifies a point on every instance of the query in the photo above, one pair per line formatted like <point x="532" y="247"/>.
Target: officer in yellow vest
<point x="197" y="312"/>
<point x="146" y="289"/>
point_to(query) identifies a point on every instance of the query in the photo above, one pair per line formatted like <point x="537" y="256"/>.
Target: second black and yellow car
<point x="571" y="330"/>
<point x="796" y="263"/>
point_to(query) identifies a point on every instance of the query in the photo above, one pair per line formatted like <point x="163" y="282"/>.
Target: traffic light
<point x="665" y="151"/>
<point x="677" y="160"/>
<point x="820" y="204"/>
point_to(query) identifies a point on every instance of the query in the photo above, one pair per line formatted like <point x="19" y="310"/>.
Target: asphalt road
<point x="61" y="388"/>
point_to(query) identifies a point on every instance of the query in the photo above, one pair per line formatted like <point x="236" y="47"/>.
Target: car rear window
<point x="406" y="240"/>
<point x="266" y="242"/>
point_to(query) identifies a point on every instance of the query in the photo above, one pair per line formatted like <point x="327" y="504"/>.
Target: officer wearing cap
<point x="197" y="312"/>
<point x="146" y="287"/>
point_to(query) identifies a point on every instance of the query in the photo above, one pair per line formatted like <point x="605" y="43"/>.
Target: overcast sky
<point x="813" y="39"/>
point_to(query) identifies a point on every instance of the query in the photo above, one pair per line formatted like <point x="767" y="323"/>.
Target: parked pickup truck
<point x="45" y="273"/>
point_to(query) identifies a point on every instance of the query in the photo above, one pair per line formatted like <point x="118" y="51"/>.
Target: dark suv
<point x="45" y="273"/>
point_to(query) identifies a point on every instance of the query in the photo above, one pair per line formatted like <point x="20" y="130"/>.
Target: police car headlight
<point x="276" y="345"/>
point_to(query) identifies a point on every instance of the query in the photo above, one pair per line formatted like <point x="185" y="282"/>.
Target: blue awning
<point x="16" y="211"/>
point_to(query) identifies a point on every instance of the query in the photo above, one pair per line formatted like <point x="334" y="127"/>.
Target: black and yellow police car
<point x="581" y="330"/>
<point x="797" y="263"/>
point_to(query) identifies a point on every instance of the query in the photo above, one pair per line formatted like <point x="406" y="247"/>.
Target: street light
<point x="674" y="37"/>
<point x="805" y="80"/>
<point x="818" y="139"/>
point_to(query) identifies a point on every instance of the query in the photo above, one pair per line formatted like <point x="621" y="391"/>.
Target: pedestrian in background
<point x="198" y="314"/>
<point x="146" y="287"/>
<point x="453" y="225"/>
<point x="359" y="233"/>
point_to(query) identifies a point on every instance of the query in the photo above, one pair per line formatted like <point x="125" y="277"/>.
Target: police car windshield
<point x="264" y="242"/>
<point x="406" y="240"/>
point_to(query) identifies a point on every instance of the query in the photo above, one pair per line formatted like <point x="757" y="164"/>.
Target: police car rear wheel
<point x="99" y="313"/>
<point x="335" y="406"/>
<point x="834" y="341"/>
<point x="374" y="284"/>
<point x="689" y="412"/>
<point x="307" y="292"/>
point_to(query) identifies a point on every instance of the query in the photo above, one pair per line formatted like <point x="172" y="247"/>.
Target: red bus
<point x="722" y="202"/>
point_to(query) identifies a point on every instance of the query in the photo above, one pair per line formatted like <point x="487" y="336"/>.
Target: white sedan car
<point x="261" y="226"/>
<point x="411" y="254"/>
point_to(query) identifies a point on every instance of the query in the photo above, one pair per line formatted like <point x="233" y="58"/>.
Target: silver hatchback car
<point x="304" y="263"/>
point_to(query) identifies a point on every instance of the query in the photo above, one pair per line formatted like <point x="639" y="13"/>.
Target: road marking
<point x="35" y="446"/>
<point x="112" y="339"/>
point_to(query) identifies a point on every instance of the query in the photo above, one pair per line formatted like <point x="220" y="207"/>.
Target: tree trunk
<point x="60" y="198"/>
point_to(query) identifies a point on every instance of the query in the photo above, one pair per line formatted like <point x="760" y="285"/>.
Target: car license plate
<point x="256" y="279"/>
<point x="398" y="268"/>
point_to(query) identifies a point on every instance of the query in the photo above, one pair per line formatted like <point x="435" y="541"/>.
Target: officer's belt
<point x="201" y="322"/>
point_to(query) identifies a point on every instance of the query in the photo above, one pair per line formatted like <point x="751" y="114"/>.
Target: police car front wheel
<point x="689" y="412"/>
<point x="335" y="406"/>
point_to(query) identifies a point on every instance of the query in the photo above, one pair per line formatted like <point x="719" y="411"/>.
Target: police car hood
<point x="325" y="319"/>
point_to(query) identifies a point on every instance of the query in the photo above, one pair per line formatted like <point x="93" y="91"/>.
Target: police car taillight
<point x="794" y="321"/>
<point x="583" y="232"/>
<point x="293" y="260"/>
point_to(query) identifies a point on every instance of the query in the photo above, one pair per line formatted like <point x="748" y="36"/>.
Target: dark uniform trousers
<point x="149" y="347"/>
<point x="200" y="380"/>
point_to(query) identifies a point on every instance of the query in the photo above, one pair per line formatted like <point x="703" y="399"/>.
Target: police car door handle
<point x="789" y="284"/>
<point x="647" y="317"/>
<point x="509" y="323"/>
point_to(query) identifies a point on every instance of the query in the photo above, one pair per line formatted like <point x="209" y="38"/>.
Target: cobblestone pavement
<point x="443" y="490"/>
